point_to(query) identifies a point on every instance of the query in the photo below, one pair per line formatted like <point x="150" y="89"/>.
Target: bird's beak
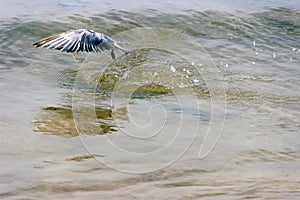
<point x="121" y="48"/>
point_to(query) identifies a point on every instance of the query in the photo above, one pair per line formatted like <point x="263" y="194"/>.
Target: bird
<point x="80" y="40"/>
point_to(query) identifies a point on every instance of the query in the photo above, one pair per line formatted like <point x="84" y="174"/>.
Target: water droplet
<point x="226" y="65"/>
<point x="254" y="43"/>
<point x="181" y="85"/>
<point x="274" y="55"/>
<point x="253" y="63"/>
<point x="196" y="81"/>
<point x="172" y="69"/>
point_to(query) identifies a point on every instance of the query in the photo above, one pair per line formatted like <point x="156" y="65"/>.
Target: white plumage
<point x="80" y="40"/>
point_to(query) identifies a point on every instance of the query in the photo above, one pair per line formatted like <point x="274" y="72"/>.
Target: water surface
<point x="255" y="48"/>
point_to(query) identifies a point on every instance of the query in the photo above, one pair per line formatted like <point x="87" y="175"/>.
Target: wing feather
<point x="76" y="41"/>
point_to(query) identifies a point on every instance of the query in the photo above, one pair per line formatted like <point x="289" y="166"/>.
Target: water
<point x="59" y="118"/>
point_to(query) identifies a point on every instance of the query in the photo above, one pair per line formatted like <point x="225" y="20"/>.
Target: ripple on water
<point x="257" y="53"/>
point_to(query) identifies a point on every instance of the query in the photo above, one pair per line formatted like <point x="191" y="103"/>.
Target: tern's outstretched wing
<point x="77" y="40"/>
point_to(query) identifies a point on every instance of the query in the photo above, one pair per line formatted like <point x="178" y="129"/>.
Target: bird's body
<point x="80" y="40"/>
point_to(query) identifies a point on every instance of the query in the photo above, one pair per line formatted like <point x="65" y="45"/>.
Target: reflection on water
<point x="257" y="54"/>
<point x="82" y="158"/>
<point x="59" y="121"/>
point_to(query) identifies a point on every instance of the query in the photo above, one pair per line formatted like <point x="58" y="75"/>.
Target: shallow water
<point x="144" y="126"/>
